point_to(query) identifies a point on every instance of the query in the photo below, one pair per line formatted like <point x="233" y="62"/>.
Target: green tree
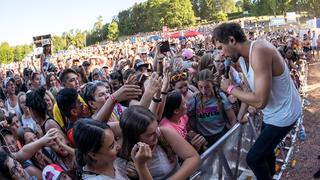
<point x="97" y="31"/>
<point x="239" y="5"/>
<point x="220" y="17"/>
<point x="18" y="52"/>
<point x="113" y="31"/>
<point x="104" y="31"/>
<point x="228" y="6"/>
<point x="21" y="51"/>
<point x="139" y="18"/>
<point x="124" y="22"/>
<point x="314" y="9"/>
<point x="207" y="10"/>
<point x="59" y="43"/>
<point x="196" y="7"/>
<point x="273" y="6"/>
<point x="179" y="13"/>
<point x="155" y="11"/>
<point x="247" y="5"/>
<point x="6" y="53"/>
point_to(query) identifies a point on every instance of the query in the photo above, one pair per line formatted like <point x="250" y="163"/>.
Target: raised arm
<point x="29" y="150"/>
<point x="124" y="93"/>
<point x="154" y="84"/>
<point x="32" y="62"/>
<point x="262" y="67"/>
<point x="140" y="154"/>
<point x="164" y="90"/>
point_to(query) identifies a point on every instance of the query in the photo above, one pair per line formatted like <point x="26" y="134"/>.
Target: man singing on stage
<point x="272" y="91"/>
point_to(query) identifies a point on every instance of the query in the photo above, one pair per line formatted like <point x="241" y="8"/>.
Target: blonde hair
<point x="205" y="61"/>
<point x="51" y="96"/>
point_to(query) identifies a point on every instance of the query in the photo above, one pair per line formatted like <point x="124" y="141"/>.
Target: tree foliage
<point x="152" y="15"/>
<point x="179" y="13"/>
<point x="113" y="31"/>
<point x="9" y="54"/>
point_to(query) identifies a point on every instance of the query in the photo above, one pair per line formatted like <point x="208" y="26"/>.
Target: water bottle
<point x="302" y="133"/>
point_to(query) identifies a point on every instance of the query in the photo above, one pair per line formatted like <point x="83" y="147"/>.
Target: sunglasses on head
<point x="178" y="77"/>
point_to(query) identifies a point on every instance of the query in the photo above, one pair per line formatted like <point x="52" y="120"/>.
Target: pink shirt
<point x="180" y="127"/>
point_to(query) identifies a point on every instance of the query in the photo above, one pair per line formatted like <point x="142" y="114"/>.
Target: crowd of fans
<point x="127" y="110"/>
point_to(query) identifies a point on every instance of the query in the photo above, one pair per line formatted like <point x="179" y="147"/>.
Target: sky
<point x="20" y="20"/>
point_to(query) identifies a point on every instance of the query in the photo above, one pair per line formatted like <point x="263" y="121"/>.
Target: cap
<point x="139" y="63"/>
<point x="86" y="63"/>
<point x="27" y="71"/>
<point x="143" y="50"/>
<point x="46" y="42"/>
<point x="188" y="53"/>
<point x="51" y="172"/>
<point x="52" y="68"/>
<point x="96" y="71"/>
<point x="7" y="80"/>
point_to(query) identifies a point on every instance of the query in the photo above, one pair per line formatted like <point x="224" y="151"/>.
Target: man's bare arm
<point x="262" y="67"/>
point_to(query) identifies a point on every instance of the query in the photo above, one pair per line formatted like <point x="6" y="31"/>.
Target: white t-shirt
<point x="119" y="174"/>
<point x="314" y="41"/>
<point x="16" y="108"/>
<point x="28" y="122"/>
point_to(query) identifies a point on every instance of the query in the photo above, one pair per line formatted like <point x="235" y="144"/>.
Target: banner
<point x="277" y="21"/>
<point x="291" y="17"/>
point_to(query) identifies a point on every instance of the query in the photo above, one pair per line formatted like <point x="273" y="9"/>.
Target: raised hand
<point x="154" y="83"/>
<point x="127" y="92"/>
<point x="49" y="137"/>
<point x="166" y="82"/>
<point x="141" y="153"/>
<point x="132" y="79"/>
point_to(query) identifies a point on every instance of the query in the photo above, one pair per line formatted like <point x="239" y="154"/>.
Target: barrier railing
<point x="226" y="159"/>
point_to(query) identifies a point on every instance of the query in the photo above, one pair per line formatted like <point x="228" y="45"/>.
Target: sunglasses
<point x="178" y="77"/>
<point x="219" y="61"/>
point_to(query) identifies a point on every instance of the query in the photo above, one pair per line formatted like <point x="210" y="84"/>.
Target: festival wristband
<point x="113" y="99"/>
<point x="230" y="88"/>
<point x="156" y="100"/>
<point x="164" y="93"/>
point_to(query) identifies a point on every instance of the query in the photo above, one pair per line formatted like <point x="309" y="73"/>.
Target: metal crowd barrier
<point x="226" y="159"/>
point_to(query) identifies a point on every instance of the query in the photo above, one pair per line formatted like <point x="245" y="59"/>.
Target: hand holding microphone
<point x="227" y="63"/>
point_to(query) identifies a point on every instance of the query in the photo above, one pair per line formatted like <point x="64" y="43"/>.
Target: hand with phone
<point x="164" y="46"/>
<point x="154" y="84"/>
<point x="126" y="92"/>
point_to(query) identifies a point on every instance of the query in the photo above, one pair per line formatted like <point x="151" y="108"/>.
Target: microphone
<point x="227" y="63"/>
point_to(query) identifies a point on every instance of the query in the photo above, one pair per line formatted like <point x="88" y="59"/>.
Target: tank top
<point x="159" y="165"/>
<point x="28" y="122"/>
<point x="284" y="103"/>
<point x="16" y="108"/>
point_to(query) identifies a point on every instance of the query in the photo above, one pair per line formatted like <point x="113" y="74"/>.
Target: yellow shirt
<point x="57" y="114"/>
